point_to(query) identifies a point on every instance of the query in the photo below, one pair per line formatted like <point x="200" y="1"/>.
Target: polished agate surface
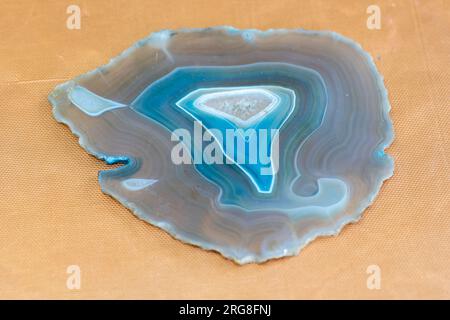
<point x="249" y="143"/>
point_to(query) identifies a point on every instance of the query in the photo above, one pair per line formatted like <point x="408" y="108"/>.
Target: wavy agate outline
<point x="248" y="35"/>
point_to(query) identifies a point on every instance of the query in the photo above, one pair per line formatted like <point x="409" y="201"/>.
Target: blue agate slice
<point x="250" y="143"/>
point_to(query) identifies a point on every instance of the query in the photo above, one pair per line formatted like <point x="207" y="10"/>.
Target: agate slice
<point x="188" y="112"/>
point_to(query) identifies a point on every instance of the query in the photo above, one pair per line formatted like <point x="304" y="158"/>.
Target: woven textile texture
<point x="53" y="214"/>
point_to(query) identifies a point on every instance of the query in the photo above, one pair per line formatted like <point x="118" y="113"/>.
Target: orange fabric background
<point x="53" y="214"/>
